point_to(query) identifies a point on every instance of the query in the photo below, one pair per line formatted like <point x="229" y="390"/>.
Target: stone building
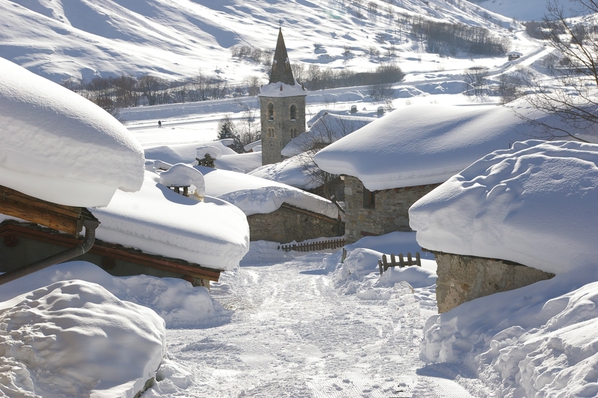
<point x="282" y="106"/>
<point x="378" y="212"/>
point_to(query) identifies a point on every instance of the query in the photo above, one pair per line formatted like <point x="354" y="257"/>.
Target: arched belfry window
<point x="270" y="111"/>
<point x="293" y="112"/>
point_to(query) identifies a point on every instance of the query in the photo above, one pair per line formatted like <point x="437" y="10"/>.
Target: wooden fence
<point x="313" y="246"/>
<point x="384" y="264"/>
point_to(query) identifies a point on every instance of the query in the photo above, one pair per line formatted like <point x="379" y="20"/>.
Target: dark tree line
<point x="125" y="91"/>
<point x="447" y="38"/>
<point x="317" y="78"/>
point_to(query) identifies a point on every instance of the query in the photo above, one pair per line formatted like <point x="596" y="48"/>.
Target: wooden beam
<point x="114" y="251"/>
<point x="59" y="217"/>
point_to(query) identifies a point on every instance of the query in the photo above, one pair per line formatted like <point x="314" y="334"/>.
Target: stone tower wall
<point x="281" y="125"/>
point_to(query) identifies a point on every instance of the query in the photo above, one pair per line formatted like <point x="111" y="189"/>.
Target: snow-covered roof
<point x="422" y="144"/>
<point x="256" y="195"/>
<point x="535" y="204"/>
<point x="60" y="147"/>
<point x="156" y="220"/>
<point x="241" y="162"/>
<point x="282" y="90"/>
<point x="297" y="171"/>
<point x="328" y="128"/>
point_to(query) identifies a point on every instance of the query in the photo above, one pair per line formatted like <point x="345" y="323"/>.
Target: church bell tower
<point x="282" y="106"/>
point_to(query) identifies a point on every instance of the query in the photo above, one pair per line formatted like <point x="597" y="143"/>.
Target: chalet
<point x="275" y="212"/>
<point x="51" y="193"/>
<point x="514" y="55"/>
<point x="392" y="162"/>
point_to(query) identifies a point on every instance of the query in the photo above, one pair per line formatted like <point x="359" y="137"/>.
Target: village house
<point x="51" y="193"/>
<point x="391" y="163"/>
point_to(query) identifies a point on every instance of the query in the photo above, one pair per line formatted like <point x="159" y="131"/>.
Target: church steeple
<point x="281" y="67"/>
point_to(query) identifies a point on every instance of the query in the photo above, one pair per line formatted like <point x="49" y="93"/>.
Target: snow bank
<point x="212" y="233"/>
<point x="74" y="338"/>
<point x="534" y="204"/>
<point x="60" y="147"/>
<point x="535" y="341"/>
<point x="175" y="300"/>
<point x="422" y="144"/>
<point x="256" y="195"/>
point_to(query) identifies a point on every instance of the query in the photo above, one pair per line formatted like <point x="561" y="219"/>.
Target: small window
<point x="369" y="199"/>
<point x="293" y="133"/>
<point x="293" y="112"/>
<point x="270" y="132"/>
<point x="270" y="111"/>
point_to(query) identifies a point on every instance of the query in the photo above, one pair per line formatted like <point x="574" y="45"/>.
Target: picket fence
<point x="313" y="246"/>
<point x="385" y="264"/>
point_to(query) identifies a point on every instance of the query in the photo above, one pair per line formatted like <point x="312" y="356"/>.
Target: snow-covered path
<point x="294" y="334"/>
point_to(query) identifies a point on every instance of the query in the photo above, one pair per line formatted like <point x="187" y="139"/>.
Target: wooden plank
<point x="112" y="251"/>
<point x="59" y="217"/>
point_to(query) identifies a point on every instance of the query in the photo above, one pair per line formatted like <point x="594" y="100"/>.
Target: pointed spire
<point x="281" y="67"/>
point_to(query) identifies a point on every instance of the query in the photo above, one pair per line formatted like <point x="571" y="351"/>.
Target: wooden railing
<point x="384" y="264"/>
<point x="313" y="246"/>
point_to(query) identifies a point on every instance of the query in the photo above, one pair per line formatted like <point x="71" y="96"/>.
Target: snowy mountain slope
<point x="174" y="39"/>
<point x="529" y="10"/>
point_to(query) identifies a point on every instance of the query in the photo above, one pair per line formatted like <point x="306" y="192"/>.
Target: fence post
<point x="380" y="266"/>
<point x="385" y="262"/>
<point x="409" y="259"/>
<point x="401" y="260"/>
<point x="418" y="260"/>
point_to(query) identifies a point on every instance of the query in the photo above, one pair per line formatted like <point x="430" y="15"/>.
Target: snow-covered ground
<point x="287" y="324"/>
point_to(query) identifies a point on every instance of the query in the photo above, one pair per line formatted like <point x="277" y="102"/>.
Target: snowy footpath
<point x="298" y="327"/>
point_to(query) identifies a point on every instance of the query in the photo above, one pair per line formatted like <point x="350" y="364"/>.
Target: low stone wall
<point x="290" y="223"/>
<point x="464" y="278"/>
<point x="390" y="212"/>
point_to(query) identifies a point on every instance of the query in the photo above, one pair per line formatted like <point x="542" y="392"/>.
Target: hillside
<point x="86" y="38"/>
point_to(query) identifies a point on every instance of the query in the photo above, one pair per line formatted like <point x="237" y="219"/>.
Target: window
<point x="369" y="199"/>
<point x="293" y="112"/>
<point x="293" y="133"/>
<point x="270" y="132"/>
<point x="270" y="111"/>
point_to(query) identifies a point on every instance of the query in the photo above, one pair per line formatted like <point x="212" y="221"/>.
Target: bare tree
<point x="326" y="130"/>
<point x="570" y="94"/>
<point x="476" y="80"/>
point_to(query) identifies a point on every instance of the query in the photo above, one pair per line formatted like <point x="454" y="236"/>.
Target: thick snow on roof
<point x="282" y="90"/>
<point x="535" y="204"/>
<point x="297" y="171"/>
<point x="157" y="220"/>
<point x="421" y="144"/>
<point x="256" y="195"/>
<point x="327" y="129"/>
<point x="75" y="339"/>
<point x="241" y="162"/>
<point x="60" y="147"/>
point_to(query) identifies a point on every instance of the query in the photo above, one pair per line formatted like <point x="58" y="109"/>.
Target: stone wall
<point x="464" y="278"/>
<point x="390" y="212"/>
<point x="288" y="224"/>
